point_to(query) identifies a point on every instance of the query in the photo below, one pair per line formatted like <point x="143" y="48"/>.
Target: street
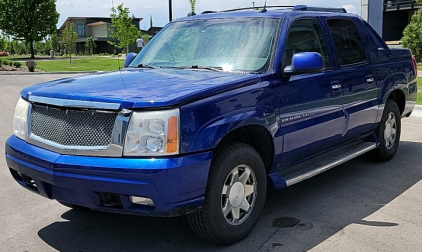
<point x="361" y="205"/>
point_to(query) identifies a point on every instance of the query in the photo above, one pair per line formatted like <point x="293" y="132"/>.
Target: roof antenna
<point x="265" y="7"/>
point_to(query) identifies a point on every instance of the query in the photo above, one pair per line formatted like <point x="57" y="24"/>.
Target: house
<point x="152" y="31"/>
<point x="96" y="27"/>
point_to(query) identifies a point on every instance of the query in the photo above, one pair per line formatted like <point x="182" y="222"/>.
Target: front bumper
<point x="176" y="185"/>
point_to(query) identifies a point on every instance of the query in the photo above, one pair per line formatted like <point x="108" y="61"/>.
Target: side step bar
<point x="329" y="163"/>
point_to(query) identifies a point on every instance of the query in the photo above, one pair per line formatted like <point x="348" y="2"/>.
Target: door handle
<point x="335" y="85"/>
<point x="370" y="79"/>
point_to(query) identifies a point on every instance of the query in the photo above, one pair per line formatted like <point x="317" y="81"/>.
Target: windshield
<point x="241" y="44"/>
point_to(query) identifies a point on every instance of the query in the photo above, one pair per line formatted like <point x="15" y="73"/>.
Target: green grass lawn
<point x="80" y="64"/>
<point x="59" y="64"/>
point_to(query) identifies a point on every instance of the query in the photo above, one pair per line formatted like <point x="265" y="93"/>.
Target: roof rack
<point x="309" y="8"/>
<point x="296" y="8"/>
<point x="250" y="8"/>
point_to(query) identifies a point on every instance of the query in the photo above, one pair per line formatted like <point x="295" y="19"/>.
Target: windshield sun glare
<point x="228" y="44"/>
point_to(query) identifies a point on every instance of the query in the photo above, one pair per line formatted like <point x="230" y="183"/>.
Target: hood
<point x="141" y="88"/>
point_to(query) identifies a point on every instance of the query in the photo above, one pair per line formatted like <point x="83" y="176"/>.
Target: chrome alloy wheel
<point x="238" y="195"/>
<point x="390" y="130"/>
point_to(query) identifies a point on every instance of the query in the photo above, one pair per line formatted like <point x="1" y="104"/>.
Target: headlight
<point x="20" y="119"/>
<point x="153" y="133"/>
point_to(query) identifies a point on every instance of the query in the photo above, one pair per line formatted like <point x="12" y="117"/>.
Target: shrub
<point x="4" y="54"/>
<point x="6" y="62"/>
<point x="31" y="65"/>
<point x="1" y="63"/>
<point x="17" y="64"/>
<point x="412" y="35"/>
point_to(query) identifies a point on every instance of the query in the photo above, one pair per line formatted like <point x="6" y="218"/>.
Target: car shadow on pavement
<point x="316" y="209"/>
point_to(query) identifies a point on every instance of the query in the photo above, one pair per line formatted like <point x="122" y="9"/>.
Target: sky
<point x="159" y="9"/>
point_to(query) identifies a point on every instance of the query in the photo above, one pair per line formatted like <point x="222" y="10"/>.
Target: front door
<point x="311" y="111"/>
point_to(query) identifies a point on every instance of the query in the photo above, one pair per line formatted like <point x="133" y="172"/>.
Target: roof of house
<point x="100" y="19"/>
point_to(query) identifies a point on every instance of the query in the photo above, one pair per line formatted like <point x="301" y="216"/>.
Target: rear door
<point x="357" y="79"/>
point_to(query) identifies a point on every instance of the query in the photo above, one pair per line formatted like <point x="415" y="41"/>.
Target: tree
<point x="145" y="38"/>
<point x="192" y="4"/>
<point x="54" y="42"/>
<point x="412" y="34"/>
<point x="2" y="43"/>
<point x="69" y="39"/>
<point x="8" y="45"/>
<point x="28" y="20"/>
<point x="18" y="47"/>
<point x="90" y="45"/>
<point x="123" y="31"/>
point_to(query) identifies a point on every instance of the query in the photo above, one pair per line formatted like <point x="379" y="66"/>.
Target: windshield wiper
<point x="147" y="66"/>
<point x="215" y="69"/>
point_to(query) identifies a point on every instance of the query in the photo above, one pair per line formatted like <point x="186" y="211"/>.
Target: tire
<point x="234" y="196"/>
<point x="388" y="132"/>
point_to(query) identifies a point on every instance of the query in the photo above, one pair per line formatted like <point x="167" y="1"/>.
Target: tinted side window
<point x="305" y="36"/>
<point x="347" y="41"/>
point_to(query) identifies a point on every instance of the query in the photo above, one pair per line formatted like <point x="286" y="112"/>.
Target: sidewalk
<point x="417" y="112"/>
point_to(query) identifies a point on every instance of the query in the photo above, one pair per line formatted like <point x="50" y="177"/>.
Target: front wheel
<point x="234" y="197"/>
<point x="388" y="132"/>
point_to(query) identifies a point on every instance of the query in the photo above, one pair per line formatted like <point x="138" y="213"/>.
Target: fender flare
<point x="211" y="133"/>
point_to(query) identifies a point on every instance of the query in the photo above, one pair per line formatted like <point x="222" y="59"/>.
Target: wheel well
<point x="399" y="98"/>
<point x="257" y="137"/>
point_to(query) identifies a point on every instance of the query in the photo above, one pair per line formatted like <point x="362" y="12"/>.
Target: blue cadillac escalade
<point x="214" y="111"/>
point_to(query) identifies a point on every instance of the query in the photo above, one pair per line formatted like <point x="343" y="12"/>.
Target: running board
<point x="329" y="163"/>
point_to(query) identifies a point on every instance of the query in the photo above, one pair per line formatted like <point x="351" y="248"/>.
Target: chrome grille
<point x="71" y="127"/>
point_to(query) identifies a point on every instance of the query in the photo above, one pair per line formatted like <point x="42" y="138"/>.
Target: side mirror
<point x="305" y="62"/>
<point x="129" y="58"/>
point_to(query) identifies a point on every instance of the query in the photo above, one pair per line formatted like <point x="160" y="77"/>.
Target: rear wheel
<point x="234" y="196"/>
<point x="388" y="132"/>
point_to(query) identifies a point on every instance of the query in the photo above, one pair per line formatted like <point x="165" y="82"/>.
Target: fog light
<point x="141" y="201"/>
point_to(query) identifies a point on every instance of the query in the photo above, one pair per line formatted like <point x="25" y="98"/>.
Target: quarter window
<point x="347" y="41"/>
